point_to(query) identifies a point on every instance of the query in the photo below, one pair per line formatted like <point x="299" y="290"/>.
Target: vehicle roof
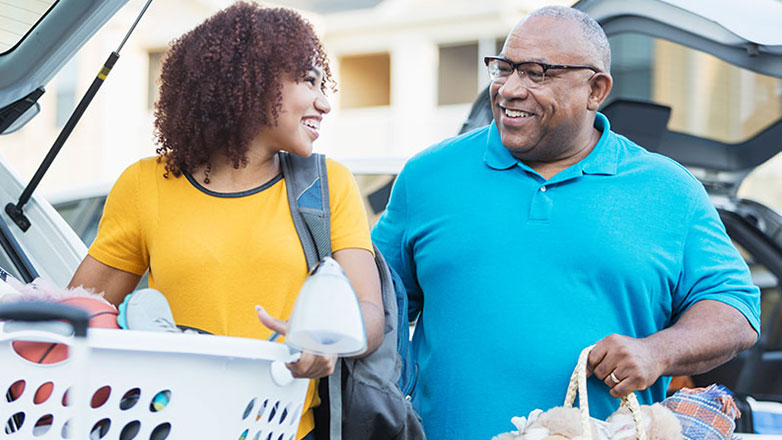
<point x="46" y="48"/>
<point x="754" y="20"/>
<point x="746" y="33"/>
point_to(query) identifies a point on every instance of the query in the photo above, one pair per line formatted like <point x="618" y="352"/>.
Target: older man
<point x="525" y="241"/>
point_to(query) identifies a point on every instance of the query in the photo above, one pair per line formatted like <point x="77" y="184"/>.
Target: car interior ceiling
<point x="646" y="123"/>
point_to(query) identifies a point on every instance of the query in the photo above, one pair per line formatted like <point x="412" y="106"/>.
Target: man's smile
<point x="516" y="113"/>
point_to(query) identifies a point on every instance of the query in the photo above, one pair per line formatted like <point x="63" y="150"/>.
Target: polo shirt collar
<point x="602" y="159"/>
<point x="497" y="156"/>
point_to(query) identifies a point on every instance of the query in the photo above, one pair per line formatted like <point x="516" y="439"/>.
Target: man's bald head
<point x="592" y="35"/>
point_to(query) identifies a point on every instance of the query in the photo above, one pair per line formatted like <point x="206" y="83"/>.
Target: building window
<point x="66" y="92"/>
<point x="457" y="74"/>
<point x="153" y="76"/>
<point x="365" y="80"/>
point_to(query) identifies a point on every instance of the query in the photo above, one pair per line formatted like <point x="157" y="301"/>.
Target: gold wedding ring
<point x="614" y="378"/>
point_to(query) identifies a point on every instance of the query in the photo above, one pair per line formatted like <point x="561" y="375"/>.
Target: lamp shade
<point x="326" y="317"/>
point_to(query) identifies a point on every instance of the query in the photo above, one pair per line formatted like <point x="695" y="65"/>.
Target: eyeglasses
<point x="532" y="74"/>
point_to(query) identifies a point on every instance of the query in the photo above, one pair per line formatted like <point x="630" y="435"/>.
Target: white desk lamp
<point x="326" y="317"/>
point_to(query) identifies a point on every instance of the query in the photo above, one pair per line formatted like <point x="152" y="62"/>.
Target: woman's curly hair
<point x="221" y="83"/>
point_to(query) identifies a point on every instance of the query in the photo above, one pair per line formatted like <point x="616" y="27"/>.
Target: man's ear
<point x="601" y="84"/>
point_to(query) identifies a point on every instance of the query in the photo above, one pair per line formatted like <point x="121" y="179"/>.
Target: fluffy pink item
<point x="42" y="289"/>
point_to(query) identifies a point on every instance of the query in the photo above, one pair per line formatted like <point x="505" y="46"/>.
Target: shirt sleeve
<point x="120" y="241"/>
<point x="390" y="236"/>
<point x="713" y="269"/>
<point x="349" y="225"/>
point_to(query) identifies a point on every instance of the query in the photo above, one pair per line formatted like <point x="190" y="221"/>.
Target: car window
<point x="709" y="97"/>
<point x="18" y="18"/>
<point x="770" y="300"/>
<point x="8" y="265"/>
<point x="375" y="190"/>
<point x="770" y="306"/>
<point x="764" y="184"/>
<point x="83" y="215"/>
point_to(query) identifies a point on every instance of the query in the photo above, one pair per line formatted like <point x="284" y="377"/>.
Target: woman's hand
<point x="310" y="366"/>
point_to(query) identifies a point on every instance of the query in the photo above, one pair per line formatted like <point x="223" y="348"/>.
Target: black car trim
<point x="16" y="254"/>
<point x="10" y="113"/>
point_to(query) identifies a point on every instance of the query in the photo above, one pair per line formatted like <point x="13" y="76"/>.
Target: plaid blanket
<point x="705" y="413"/>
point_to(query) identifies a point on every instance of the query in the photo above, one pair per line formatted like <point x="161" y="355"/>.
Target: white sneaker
<point x="146" y="310"/>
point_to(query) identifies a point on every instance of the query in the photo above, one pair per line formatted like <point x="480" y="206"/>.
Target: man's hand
<point x="310" y="366"/>
<point x="625" y="364"/>
<point x="708" y="334"/>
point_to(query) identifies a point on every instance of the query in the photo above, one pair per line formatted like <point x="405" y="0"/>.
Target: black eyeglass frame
<point x="546" y="67"/>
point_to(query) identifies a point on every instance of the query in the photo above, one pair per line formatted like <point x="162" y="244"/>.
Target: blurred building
<point x="407" y="73"/>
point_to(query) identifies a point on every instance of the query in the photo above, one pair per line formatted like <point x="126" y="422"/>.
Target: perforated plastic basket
<point x="141" y="385"/>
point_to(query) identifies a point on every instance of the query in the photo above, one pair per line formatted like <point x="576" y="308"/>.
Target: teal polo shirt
<point x="513" y="274"/>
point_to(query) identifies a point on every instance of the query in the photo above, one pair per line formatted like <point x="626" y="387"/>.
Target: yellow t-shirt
<point x="216" y="255"/>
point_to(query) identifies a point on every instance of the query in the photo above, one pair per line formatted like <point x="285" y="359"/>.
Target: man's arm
<point x="389" y="236"/>
<point x="707" y="335"/>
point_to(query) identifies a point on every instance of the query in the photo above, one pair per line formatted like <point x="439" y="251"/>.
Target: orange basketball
<point x="102" y="315"/>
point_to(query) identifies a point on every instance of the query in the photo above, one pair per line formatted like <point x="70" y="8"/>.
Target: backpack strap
<point x="308" y="196"/>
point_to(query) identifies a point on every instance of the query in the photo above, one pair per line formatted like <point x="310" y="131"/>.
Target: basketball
<point x="102" y="315"/>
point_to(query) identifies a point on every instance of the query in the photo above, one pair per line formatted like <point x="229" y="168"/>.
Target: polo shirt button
<point x="543" y="189"/>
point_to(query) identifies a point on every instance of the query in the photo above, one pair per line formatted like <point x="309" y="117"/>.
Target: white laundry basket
<point x="203" y="388"/>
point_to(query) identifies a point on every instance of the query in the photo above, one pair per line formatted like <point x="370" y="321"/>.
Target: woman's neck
<point x="223" y="177"/>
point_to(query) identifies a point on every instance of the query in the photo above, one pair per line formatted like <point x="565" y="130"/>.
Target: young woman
<point x="209" y="215"/>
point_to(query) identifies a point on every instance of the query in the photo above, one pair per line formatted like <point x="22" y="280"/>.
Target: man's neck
<point x="550" y="169"/>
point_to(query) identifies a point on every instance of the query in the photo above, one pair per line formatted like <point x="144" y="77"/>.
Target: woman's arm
<point x="359" y="266"/>
<point x="114" y="283"/>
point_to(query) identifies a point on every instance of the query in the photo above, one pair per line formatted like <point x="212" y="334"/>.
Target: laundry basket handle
<point x="33" y="311"/>
<point x="578" y="385"/>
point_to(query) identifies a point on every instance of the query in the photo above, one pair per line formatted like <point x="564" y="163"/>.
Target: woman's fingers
<point x="309" y="365"/>
<point x="270" y="322"/>
<point x="312" y="366"/>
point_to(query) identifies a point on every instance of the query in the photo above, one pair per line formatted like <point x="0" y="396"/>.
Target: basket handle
<point x="578" y="385"/>
<point x="34" y="311"/>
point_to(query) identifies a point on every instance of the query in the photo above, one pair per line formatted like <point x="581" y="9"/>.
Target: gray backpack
<point x="366" y="398"/>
